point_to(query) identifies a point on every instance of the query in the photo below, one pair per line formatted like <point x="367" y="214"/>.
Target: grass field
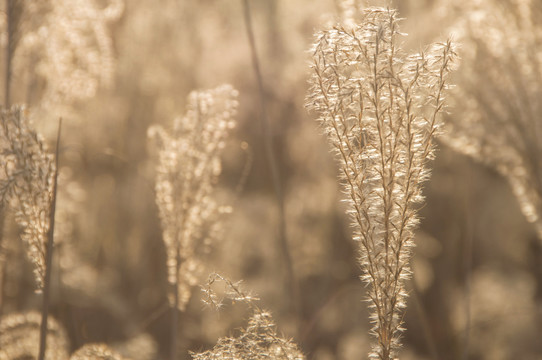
<point x="225" y="172"/>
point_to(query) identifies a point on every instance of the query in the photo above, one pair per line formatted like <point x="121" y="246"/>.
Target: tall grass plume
<point x="379" y="108"/>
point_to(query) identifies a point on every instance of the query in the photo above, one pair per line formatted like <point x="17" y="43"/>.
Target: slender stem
<point x="424" y="320"/>
<point x="49" y="256"/>
<point x="175" y="310"/>
<point x="151" y="318"/>
<point x="3" y="263"/>
<point x="174" y="326"/>
<point x="467" y="291"/>
<point x="9" y="19"/>
<point x="470" y="220"/>
<point x="272" y="162"/>
<point x="9" y="52"/>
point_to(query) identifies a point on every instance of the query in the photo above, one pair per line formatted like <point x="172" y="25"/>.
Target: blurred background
<point x="111" y="69"/>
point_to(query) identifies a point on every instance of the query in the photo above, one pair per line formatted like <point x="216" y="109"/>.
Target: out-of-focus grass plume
<point x="19" y="337"/>
<point x="187" y="171"/>
<point x="497" y="105"/>
<point x="26" y="183"/>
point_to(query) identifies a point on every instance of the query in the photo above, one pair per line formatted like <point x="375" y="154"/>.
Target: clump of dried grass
<point x="380" y="109"/>
<point x="95" y="352"/>
<point x="259" y="340"/>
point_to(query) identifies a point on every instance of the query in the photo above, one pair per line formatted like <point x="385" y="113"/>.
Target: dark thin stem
<point x="272" y="162"/>
<point x="175" y="310"/>
<point x="49" y="256"/>
<point x="174" y="325"/>
<point x="3" y="263"/>
<point x="467" y="297"/>
<point x="424" y="321"/>
<point x="9" y="52"/>
<point x="246" y="169"/>
<point x="9" y="19"/>
<point x="2" y="285"/>
<point x="151" y="318"/>
<point x="469" y="220"/>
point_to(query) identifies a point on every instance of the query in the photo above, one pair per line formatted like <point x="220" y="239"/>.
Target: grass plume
<point x="497" y="103"/>
<point x="26" y="183"/>
<point x="188" y="166"/>
<point x="380" y="110"/>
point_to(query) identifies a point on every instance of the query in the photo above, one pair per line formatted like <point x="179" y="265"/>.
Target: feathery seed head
<point x="187" y="171"/>
<point x="379" y="109"/>
<point x="26" y="182"/>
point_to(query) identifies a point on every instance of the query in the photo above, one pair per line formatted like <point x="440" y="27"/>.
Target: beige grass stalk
<point x="380" y="110"/>
<point x="13" y="10"/>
